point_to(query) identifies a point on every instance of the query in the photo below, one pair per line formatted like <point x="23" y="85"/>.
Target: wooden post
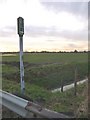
<point x="61" y="85"/>
<point x="75" y="82"/>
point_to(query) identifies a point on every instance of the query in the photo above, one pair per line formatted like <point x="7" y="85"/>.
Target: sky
<point x="50" y="25"/>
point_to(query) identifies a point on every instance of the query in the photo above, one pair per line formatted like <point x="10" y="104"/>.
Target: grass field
<point x="47" y="69"/>
<point x="48" y="57"/>
<point x="44" y="72"/>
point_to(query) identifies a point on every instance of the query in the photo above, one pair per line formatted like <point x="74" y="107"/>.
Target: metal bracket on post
<point x="20" y="24"/>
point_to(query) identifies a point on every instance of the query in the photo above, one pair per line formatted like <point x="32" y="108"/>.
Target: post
<point x="75" y="82"/>
<point x="61" y="85"/>
<point x="20" y="23"/>
<point x="21" y="66"/>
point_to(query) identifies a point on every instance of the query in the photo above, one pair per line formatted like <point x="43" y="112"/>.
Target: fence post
<point x="61" y="85"/>
<point x="75" y="82"/>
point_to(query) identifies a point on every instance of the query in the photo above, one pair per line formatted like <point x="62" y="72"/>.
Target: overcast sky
<point x="53" y="26"/>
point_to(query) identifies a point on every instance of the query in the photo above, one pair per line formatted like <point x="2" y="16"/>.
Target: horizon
<point x="44" y="51"/>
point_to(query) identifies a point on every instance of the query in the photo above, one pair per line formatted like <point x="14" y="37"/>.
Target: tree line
<point x="75" y="51"/>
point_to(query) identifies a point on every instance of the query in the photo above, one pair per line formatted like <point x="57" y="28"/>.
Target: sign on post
<point x="20" y="22"/>
<point x="20" y="25"/>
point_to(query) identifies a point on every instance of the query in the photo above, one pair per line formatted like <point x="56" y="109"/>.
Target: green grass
<point x="49" y="57"/>
<point x="9" y="69"/>
<point x="60" y="102"/>
<point x="43" y="72"/>
<point x="47" y="69"/>
<point x="32" y="91"/>
<point x="67" y="101"/>
<point x="50" y="76"/>
<point x="47" y="76"/>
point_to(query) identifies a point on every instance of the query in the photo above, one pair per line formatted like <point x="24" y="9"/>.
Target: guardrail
<point x="25" y="108"/>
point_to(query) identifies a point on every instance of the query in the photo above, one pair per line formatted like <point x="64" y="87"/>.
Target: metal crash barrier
<point x="25" y="108"/>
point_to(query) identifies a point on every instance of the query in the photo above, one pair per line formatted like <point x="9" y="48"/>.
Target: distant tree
<point x="59" y="51"/>
<point x="75" y="51"/>
<point x="84" y="51"/>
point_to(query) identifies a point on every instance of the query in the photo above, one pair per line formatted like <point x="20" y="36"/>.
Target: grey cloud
<point x="77" y="35"/>
<point x="51" y="31"/>
<point x="72" y="45"/>
<point x="33" y="31"/>
<point x="76" y="8"/>
<point x="8" y="31"/>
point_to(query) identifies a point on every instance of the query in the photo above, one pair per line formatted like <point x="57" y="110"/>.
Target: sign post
<point x="20" y="24"/>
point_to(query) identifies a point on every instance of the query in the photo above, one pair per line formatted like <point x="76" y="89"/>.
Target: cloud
<point x="8" y="31"/>
<point x="35" y="31"/>
<point x="72" y="45"/>
<point x="76" y="8"/>
<point x="74" y="36"/>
